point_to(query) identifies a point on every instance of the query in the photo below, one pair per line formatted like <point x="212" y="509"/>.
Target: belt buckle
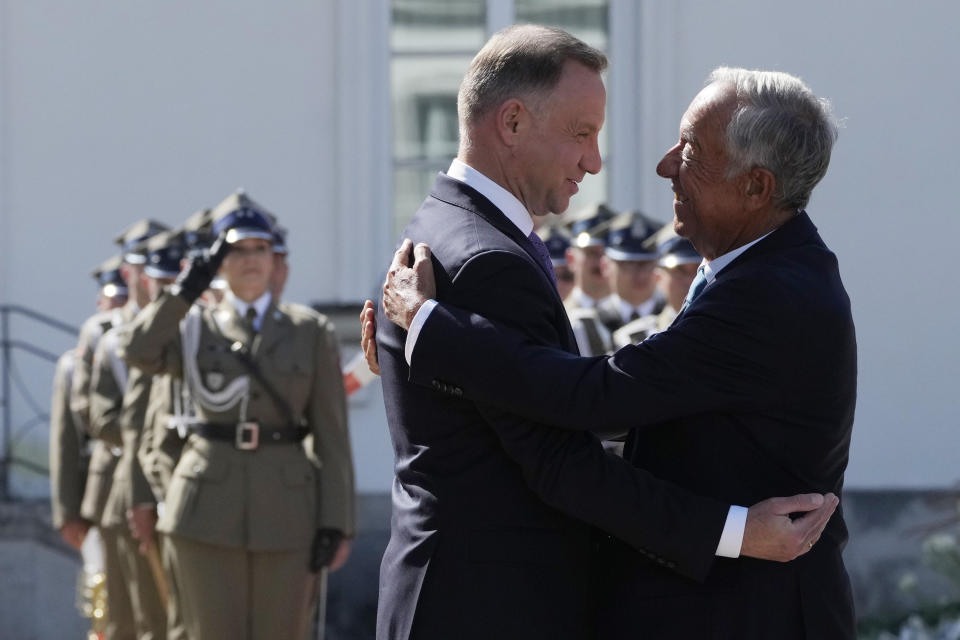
<point x="248" y="436"/>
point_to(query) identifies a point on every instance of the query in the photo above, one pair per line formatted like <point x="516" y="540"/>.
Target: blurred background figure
<point x="557" y="242"/>
<point x="588" y="232"/>
<point x="628" y="264"/>
<point x="676" y="267"/>
<point x="261" y="498"/>
<point x="113" y="289"/>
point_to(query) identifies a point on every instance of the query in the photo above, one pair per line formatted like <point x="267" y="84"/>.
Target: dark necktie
<point x="696" y="287"/>
<point x="249" y="321"/>
<point x="543" y="255"/>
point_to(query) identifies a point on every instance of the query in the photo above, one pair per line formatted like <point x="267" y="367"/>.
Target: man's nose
<point x="667" y="167"/>
<point x="591" y="161"/>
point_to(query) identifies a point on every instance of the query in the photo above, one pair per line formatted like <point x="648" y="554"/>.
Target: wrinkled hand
<point x="408" y="285"/>
<point x="142" y="520"/>
<point x="201" y="270"/>
<point x="770" y="534"/>
<point x="368" y="336"/>
<point x="340" y="557"/>
<point x="74" y="531"/>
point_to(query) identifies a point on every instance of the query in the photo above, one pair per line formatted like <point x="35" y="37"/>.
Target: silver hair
<point x="780" y="125"/>
<point x="520" y="61"/>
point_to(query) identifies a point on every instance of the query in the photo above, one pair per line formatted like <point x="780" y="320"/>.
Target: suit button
<point x="435" y="384"/>
<point x="457" y="391"/>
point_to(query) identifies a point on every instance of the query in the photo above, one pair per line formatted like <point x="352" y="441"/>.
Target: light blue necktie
<point x="696" y="287"/>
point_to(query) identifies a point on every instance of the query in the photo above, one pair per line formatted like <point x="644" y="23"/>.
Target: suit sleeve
<point x="715" y="358"/>
<point x="570" y="470"/>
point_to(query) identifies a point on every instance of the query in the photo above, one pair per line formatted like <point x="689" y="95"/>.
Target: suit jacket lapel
<point x="795" y="232"/>
<point x="466" y="197"/>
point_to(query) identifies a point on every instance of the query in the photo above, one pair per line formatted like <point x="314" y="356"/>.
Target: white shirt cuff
<point x="414" y="331"/>
<point x="732" y="537"/>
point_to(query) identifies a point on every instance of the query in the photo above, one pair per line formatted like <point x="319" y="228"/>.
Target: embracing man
<point x="491" y="511"/>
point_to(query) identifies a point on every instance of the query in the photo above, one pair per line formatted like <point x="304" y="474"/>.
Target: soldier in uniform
<point x="69" y="443"/>
<point x="676" y="268"/>
<point x="113" y="289"/>
<point x="262" y="494"/>
<point x="112" y="411"/>
<point x="557" y="241"/>
<point x="588" y="233"/>
<point x="106" y="449"/>
<point x="629" y="261"/>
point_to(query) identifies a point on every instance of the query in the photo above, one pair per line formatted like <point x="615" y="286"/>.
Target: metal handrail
<point x="7" y="346"/>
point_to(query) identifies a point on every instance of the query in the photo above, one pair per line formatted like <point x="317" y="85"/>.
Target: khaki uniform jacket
<point x="275" y="497"/>
<point x="161" y="443"/>
<point x="69" y="454"/>
<point x="104" y="456"/>
<point x="121" y="412"/>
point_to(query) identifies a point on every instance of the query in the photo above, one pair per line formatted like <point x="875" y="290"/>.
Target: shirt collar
<point x="626" y="309"/>
<point x="502" y="199"/>
<point x="259" y="305"/>
<point x="712" y="267"/>
<point x="582" y="299"/>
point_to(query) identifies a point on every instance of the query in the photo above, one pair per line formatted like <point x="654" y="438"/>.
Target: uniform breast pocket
<point x="292" y="374"/>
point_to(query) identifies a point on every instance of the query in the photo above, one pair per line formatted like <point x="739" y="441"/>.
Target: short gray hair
<point x="520" y="61"/>
<point x="780" y="125"/>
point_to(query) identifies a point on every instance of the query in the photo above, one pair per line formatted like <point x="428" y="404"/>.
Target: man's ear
<point x="512" y="119"/>
<point x="759" y="187"/>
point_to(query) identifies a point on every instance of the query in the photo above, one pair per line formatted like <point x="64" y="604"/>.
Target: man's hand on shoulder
<point x="771" y="534"/>
<point x="410" y="282"/>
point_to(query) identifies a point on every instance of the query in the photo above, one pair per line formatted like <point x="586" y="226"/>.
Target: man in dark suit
<point x="750" y="391"/>
<point x="475" y="550"/>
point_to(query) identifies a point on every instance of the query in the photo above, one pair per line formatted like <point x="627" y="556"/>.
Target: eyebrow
<point x="686" y="133"/>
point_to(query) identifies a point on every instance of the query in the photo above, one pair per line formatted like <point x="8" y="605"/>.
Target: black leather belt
<point x="249" y="435"/>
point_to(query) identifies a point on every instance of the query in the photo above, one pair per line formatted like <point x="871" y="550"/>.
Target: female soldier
<point x="267" y="470"/>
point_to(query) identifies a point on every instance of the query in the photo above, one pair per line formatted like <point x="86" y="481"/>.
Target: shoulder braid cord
<point x="217" y="401"/>
<point x="117" y="365"/>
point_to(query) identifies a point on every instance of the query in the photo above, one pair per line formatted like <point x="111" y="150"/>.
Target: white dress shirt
<point x="731" y="539"/>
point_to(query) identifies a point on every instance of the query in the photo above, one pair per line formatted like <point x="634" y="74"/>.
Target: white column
<point x="361" y="135"/>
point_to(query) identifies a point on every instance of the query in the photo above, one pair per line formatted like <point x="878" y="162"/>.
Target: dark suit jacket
<point x="475" y="550"/>
<point x="749" y="394"/>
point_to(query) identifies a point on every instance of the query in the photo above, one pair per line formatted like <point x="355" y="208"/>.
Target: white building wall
<point x="111" y="111"/>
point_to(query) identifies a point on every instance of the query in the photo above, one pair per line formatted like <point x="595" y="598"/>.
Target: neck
<point x="770" y="222"/>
